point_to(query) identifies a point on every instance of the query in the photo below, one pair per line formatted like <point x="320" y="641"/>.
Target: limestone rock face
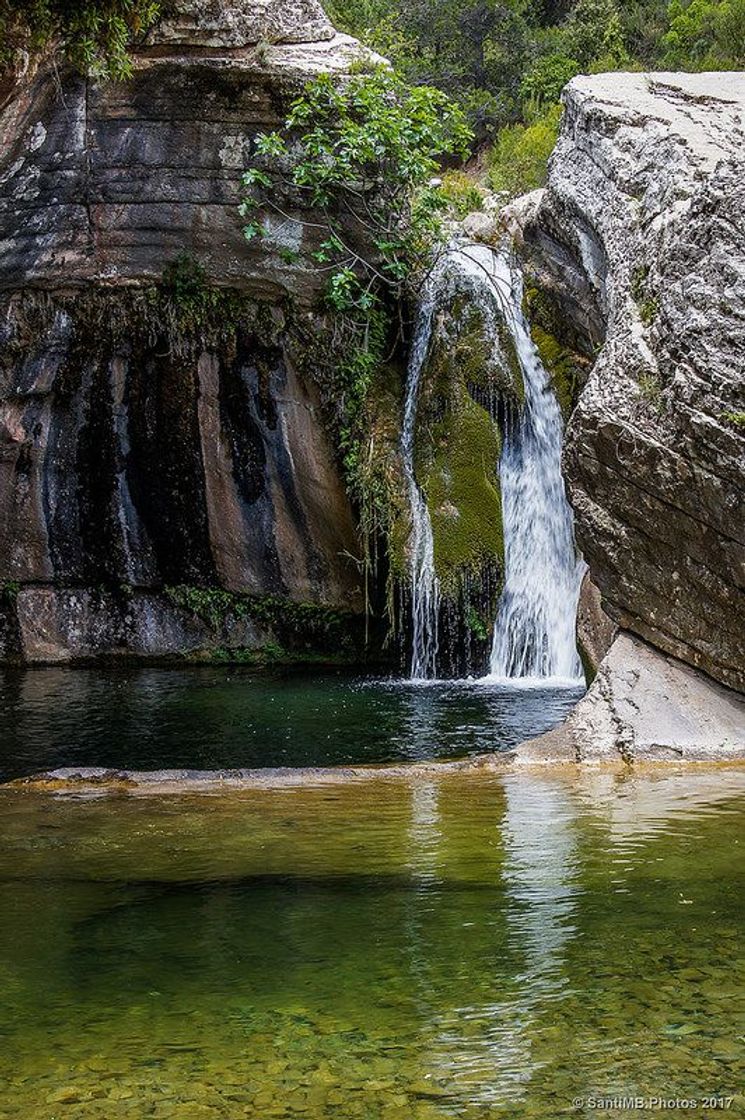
<point x="138" y="451"/>
<point x="214" y="23"/>
<point x="639" y="242"/>
<point x="646" y="706"/>
<point x="109" y="181"/>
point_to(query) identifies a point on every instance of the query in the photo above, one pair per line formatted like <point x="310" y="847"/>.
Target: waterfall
<point x="535" y="630"/>
<point x="425" y="587"/>
<point x="534" y="634"/>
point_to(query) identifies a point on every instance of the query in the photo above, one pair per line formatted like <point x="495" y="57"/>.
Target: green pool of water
<point x="213" y="718"/>
<point x="473" y="946"/>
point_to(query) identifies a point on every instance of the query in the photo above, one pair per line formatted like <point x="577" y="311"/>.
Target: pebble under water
<point x="475" y="946"/>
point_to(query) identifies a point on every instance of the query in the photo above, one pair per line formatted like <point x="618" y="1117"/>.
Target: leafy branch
<point x="358" y="157"/>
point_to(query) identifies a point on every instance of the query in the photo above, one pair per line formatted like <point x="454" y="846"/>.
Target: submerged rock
<point x="638" y="242"/>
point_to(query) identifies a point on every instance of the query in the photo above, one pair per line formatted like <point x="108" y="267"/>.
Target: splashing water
<point x="534" y="635"/>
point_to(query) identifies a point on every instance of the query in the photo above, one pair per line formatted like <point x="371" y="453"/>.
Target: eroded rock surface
<point x="639" y="244"/>
<point x="646" y="706"/>
<point x="150" y="440"/>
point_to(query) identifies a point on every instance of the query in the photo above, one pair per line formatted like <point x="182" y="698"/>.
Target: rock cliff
<point x="156" y="428"/>
<point x="638" y="248"/>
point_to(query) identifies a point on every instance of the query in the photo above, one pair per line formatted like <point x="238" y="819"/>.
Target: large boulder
<point x="638" y="245"/>
<point x="646" y="707"/>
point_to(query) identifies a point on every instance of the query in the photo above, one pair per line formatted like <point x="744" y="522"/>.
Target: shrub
<point x="519" y="159"/>
<point x="705" y="33"/>
<point x="546" y="78"/>
<point x="359" y="154"/>
<point x="593" y="30"/>
<point x="94" y="35"/>
<point x="461" y="194"/>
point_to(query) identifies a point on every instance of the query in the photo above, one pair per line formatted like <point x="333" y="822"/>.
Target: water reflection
<point x="471" y="947"/>
<point x="216" y="718"/>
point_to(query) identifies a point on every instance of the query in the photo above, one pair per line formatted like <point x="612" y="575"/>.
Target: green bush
<point x="359" y="153"/>
<point x="546" y="78"/>
<point x="518" y="161"/>
<point x="705" y="33"/>
<point x="461" y="193"/>
<point x="94" y="35"/>
<point x="593" y="30"/>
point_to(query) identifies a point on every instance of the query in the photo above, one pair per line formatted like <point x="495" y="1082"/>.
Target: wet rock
<point x="638" y="243"/>
<point x="137" y="450"/>
<point x="595" y="630"/>
<point x="68" y="1094"/>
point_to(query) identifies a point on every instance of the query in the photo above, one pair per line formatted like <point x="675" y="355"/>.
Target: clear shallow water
<point x="470" y="947"/>
<point x="213" y="718"/>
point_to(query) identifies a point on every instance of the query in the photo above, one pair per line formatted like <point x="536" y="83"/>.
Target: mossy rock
<point x="464" y="350"/>
<point x="297" y="627"/>
<point x="461" y="485"/>
<point x="566" y="367"/>
<point x="472" y="371"/>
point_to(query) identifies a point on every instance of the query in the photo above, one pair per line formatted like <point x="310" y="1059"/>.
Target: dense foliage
<point x="506" y="61"/>
<point x="95" y="35"/>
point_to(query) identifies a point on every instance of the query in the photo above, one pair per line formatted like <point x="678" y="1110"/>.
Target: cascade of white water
<point x="535" y="629"/>
<point x="425" y="588"/>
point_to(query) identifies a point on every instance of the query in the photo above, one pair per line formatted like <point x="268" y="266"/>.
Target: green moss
<point x="477" y="625"/>
<point x="296" y="626"/>
<point x="561" y="366"/>
<point x="565" y="365"/>
<point x="645" y="299"/>
<point x="462" y="490"/>
<point x="189" y="307"/>
<point x="737" y="419"/>
<point x="268" y="656"/>
<point x="472" y="367"/>
<point x="465" y="351"/>
<point x="9" y="590"/>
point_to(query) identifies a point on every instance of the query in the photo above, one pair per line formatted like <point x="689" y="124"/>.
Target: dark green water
<point x="213" y="718"/>
<point x="471" y="946"/>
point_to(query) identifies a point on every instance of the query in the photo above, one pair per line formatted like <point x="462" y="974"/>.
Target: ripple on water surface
<point x="475" y="946"/>
<point x="215" y="718"/>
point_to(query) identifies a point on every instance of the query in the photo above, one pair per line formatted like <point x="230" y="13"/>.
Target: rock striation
<point x="638" y="245"/>
<point x="153" y="434"/>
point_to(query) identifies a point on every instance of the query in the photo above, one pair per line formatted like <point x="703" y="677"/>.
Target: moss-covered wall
<point x="559" y="348"/>
<point x="471" y="380"/>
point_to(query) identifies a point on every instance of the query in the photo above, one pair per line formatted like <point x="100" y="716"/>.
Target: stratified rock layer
<point x="639" y="242"/>
<point x="147" y="442"/>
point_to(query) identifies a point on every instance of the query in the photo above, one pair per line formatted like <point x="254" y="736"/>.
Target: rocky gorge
<point x="171" y="484"/>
